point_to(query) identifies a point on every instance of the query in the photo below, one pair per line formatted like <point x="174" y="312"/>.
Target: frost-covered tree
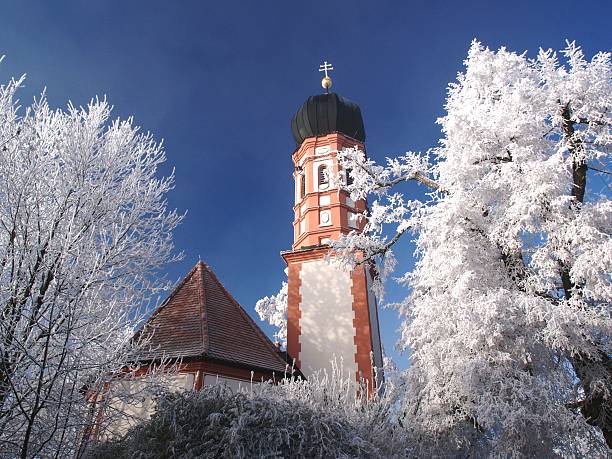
<point x="508" y="316"/>
<point x="84" y="228"/>
<point x="273" y="309"/>
<point x="509" y="313"/>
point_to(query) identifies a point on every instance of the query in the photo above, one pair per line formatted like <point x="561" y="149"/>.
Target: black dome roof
<point x="327" y="113"/>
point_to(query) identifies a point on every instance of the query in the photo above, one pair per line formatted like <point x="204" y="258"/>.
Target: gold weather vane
<point x="326" y="82"/>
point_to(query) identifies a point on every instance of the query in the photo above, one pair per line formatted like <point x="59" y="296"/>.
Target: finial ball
<point x="326" y="82"/>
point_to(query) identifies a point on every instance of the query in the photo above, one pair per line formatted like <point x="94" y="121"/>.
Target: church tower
<point x="332" y="310"/>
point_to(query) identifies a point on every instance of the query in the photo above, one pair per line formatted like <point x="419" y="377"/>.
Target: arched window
<point x="323" y="176"/>
<point x="302" y="185"/>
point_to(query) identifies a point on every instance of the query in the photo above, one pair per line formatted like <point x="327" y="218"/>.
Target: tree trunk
<point x="595" y="375"/>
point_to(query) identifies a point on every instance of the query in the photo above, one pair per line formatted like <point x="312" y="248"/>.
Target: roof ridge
<point x="174" y="292"/>
<point x="159" y="309"/>
<point x="246" y="315"/>
<point x="201" y="266"/>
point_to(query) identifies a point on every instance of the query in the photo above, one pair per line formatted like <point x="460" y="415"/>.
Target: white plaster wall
<point x="322" y="150"/>
<point x="236" y="385"/>
<point x="130" y="401"/>
<point x="181" y="382"/>
<point x="376" y="344"/>
<point x="324" y="200"/>
<point x="326" y="322"/>
<point x="325" y="218"/>
<point x="352" y="220"/>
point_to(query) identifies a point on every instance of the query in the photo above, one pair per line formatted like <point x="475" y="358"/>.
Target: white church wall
<point x="322" y="150"/>
<point x="326" y="321"/>
<point x="376" y="343"/>
<point x="141" y="405"/>
<point x="236" y="385"/>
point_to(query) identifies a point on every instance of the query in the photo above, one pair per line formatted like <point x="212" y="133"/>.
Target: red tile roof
<point x="201" y="319"/>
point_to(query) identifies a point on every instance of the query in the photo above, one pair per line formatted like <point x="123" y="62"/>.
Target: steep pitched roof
<point x="201" y="319"/>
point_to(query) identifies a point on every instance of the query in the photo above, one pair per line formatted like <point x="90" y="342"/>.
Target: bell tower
<point x="332" y="311"/>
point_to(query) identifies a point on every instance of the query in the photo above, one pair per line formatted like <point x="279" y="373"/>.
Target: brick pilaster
<point x="362" y="325"/>
<point x="294" y="298"/>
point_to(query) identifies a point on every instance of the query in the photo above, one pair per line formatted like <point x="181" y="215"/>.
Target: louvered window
<point x="323" y="177"/>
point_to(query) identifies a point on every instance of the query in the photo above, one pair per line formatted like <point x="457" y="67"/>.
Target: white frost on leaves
<point x="273" y="309"/>
<point x="508" y="315"/>
<point x="84" y="229"/>
<point x="388" y="209"/>
<point x="497" y="342"/>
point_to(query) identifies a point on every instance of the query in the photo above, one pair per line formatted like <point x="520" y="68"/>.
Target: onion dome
<point x="326" y="114"/>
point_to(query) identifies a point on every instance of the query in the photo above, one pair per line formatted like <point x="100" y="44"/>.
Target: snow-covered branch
<point x="364" y="176"/>
<point x="84" y="231"/>
<point x="510" y="298"/>
<point x="273" y="309"/>
<point x="508" y="310"/>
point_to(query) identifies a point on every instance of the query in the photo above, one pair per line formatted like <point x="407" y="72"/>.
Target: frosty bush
<point x="321" y="417"/>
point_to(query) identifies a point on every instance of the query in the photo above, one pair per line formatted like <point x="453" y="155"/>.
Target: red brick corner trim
<point x="294" y="299"/>
<point x="362" y="326"/>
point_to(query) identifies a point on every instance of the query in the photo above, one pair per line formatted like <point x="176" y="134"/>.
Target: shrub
<point x="322" y="417"/>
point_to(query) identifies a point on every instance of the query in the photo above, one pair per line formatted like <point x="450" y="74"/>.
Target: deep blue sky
<point x="219" y="82"/>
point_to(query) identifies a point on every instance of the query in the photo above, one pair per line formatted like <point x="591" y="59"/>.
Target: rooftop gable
<point x="201" y="319"/>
